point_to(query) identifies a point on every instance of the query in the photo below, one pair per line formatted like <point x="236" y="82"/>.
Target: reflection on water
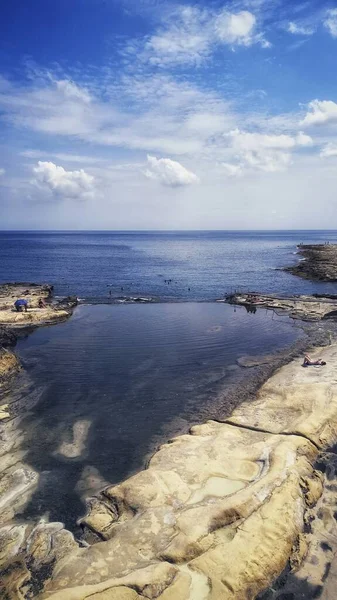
<point x="117" y="380"/>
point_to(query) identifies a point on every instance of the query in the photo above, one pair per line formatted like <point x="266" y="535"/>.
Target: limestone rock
<point x="8" y="365"/>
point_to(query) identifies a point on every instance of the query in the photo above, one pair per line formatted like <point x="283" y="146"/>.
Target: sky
<point x="156" y="114"/>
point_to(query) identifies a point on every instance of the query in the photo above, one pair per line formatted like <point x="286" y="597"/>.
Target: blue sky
<point x="163" y="115"/>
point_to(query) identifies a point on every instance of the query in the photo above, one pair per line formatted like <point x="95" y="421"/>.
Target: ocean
<point x="167" y="266"/>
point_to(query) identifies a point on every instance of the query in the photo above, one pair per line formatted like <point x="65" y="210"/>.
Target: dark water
<point x="209" y="263"/>
<point x="137" y="374"/>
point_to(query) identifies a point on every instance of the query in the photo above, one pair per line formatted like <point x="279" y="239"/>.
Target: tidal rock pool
<point x="116" y="381"/>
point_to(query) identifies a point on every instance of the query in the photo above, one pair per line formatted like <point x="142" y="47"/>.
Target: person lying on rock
<point x="21" y="305"/>
<point x="309" y="362"/>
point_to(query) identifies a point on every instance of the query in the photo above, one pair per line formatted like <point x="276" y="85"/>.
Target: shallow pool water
<point x="118" y="380"/>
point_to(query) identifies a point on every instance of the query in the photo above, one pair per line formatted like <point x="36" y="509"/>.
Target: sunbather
<point x="308" y="362"/>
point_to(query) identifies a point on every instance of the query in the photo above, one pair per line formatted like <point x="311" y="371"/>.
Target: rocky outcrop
<point x="52" y="312"/>
<point x="304" y="308"/>
<point x="27" y="550"/>
<point x="320" y="262"/>
<point x="218" y="514"/>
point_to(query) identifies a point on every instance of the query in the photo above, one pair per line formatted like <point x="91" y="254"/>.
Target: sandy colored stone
<point x="159" y="526"/>
<point x="11" y="540"/>
<point x="218" y="513"/>
<point x="49" y="542"/>
<point x="14" y="581"/>
<point x="34" y="316"/>
<point x="101" y="517"/>
<point x="8" y="365"/>
<point x="148" y="582"/>
<point x="117" y="593"/>
<point x="52" y="313"/>
<point x="9" y="292"/>
<point x="306" y="308"/>
<point x="298" y="400"/>
<point x="16" y="486"/>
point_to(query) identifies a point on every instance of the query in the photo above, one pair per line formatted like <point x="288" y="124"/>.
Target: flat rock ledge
<point x="304" y="308"/>
<point x="218" y="514"/>
<point x="319" y="264"/>
<point x="13" y="323"/>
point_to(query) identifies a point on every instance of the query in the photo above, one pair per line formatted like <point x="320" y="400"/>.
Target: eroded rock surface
<point x="216" y="516"/>
<point x="51" y="313"/>
<point x="305" y="308"/>
<point x="27" y="550"/>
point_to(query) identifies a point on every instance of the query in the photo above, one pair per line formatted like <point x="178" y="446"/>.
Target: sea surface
<point x="200" y="266"/>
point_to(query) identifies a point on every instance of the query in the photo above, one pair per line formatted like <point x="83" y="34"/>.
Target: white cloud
<point x="297" y="29"/>
<point x="65" y="157"/>
<point x="62" y="183"/>
<point x="162" y="115"/>
<point x="264" y="152"/>
<point x="190" y="34"/>
<point x="330" y="22"/>
<point x="232" y="170"/>
<point x="302" y="139"/>
<point x="235" y="28"/>
<point x="70" y="90"/>
<point x="320" y="112"/>
<point x="169" y="172"/>
<point x="2" y="172"/>
<point x="328" y="151"/>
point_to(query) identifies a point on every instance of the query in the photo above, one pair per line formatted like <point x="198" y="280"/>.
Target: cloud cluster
<point x="2" y="172"/>
<point x="330" y="22"/>
<point x="320" y="112"/>
<point x="328" y="151"/>
<point x="169" y="172"/>
<point x="307" y="27"/>
<point x="298" y="29"/>
<point x="190" y="34"/>
<point x="162" y="115"/>
<point x="262" y="152"/>
<point x="61" y="183"/>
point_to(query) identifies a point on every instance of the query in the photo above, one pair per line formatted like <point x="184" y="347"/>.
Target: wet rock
<point x="48" y="543"/>
<point x="100" y="518"/>
<point x="11" y="541"/>
<point x="16" y="486"/>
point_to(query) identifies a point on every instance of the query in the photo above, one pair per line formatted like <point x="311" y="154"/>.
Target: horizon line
<point x="156" y="230"/>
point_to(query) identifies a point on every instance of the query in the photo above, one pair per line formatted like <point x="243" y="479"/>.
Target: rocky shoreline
<point x="303" y="308"/>
<point x="319" y="262"/>
<point x="14" y="325"/>
<point x="239" y="508"/>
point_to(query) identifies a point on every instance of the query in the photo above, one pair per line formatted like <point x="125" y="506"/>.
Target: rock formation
<point x="217" y="515"/>
<point x="304" y="308"/>
<point x="320" y="262"/>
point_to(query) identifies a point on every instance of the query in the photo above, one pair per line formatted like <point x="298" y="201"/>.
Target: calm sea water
<point x="117" y="380"/>
<point x="201" y="265"/>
